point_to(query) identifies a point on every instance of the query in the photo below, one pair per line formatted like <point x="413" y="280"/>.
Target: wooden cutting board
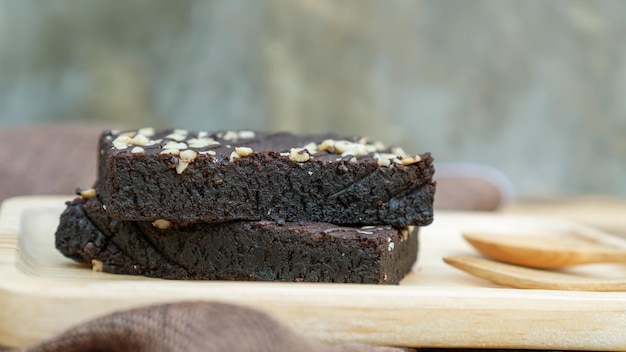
<point x="42" y="293"/>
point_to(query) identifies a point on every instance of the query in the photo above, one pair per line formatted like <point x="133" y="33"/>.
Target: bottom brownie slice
<point x="261" y="250"/>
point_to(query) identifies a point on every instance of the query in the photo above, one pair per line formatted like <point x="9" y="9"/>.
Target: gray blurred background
<point x="534" y="88"/>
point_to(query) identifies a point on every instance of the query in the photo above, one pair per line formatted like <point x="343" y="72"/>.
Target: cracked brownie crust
<point x="258" y="251"/>
<point x="185" y="177"/>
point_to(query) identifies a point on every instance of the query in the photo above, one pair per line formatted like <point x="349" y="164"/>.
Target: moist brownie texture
<point x="186" y="177"/>
<point x="259" y="250"/>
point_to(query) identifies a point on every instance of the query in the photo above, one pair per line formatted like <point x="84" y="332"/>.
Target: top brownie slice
<point x="184" y="177"/>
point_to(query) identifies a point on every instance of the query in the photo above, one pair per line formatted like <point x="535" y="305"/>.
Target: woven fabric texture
<point x="189" y="326"/>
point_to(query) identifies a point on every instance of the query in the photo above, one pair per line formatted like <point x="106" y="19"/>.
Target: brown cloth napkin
<point x="189" y="326"/>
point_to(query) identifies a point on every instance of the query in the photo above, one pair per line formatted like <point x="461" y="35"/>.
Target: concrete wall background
<point x="533" y="87"/>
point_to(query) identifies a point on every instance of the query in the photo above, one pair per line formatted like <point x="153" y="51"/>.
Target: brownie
<point x="240" y="250"/>
<point x="185" y="177"/>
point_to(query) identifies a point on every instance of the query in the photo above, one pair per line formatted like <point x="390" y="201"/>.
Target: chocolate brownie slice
<point x="262" y="250"/>
<point x="187" y="177"/>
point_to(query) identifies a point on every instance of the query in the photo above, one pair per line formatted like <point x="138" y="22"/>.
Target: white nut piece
<point x="382" y="161"/>
<point x="188" y="155"/>
<point x="346" y="148"/>
<point x="181" y="166"/>
<point x="170" y="151"/>
<point x="137" y="150"/>
<point x="327" y="145"/>
<point x="88" y="193"/>
<point x="146" y="131"/>
<point x="385" y="159"/>
<point x="201" y="142"/>
<point x="230" y="135"/>
<point x="175" y="145"/>
<point x="161" y="224"/>
<point x="243" y="151"/>
<point x="412" y="160"/>
<point x="398" y="151"/>
<point x="246" y="134"/>
<point x="342" y="146"/>
<point x="311" y="148"/>
<point x="299" y="155"/>
<point x="122" y="142"/>
<point x="209" y="152"/>
<point x="178" y="135"/>
<point x="405" y="232"/>
<point x="140" y="140"/>
<point x="96" y="266"/>
<point x="233" y="156"/>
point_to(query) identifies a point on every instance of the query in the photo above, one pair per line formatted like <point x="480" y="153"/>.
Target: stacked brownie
<point x="248" y="205"/>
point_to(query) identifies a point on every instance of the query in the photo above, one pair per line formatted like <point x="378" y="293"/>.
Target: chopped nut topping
<point x="137" y="150"/>
<point x="122" y="142"/>
<point x="209" y="152"/>
<point x="175" y="145"/>
<point x="88" y="193"/>
<point x="181" y="166"/>
<point x="311" y="148"/>
<point x="170" y="151"/>
<point x="327" y="145"/>
<point x="188" y="155"/>
<point x="178" y="135"/>
<point x="398" y="151"/>
<point x="299" y="155"/>
<point x="233" y="156"/>
<point x="243" y="151"/>
<point x="246" y="134"/>
<point x="146" y="131"/>
<point x="346" y="148"/>
<point x="161" y="224"/>
<point x="405" y="232"/>
<point x="96" y="266"/>
<point x="412" y="160"/>
<point x="390" y="246"/>
<point x="385" y="159"/>
<point x="140" y="140"/>
<point x="201" y="142"/>
<point x="230" y="135"/>
<point x="343" y="146"/>
<point x="130" y="134"/>
<point x="203" y="134"/>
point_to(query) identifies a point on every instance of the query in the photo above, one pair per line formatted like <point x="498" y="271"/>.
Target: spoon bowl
<point x="542" y="251"/>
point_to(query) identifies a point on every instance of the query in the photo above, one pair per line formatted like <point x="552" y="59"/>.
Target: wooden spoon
<point x="520" y="277"/>
<point x="544" y="252"/>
